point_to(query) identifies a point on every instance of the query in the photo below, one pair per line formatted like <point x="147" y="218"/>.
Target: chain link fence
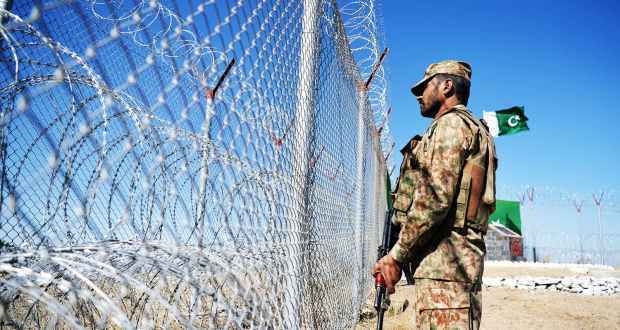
<point x="195" y="164"/>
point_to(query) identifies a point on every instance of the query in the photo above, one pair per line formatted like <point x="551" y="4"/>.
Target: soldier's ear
<point x="447" y="87"/>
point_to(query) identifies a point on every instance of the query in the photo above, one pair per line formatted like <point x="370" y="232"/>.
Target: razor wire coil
<point x="150" y="161"/>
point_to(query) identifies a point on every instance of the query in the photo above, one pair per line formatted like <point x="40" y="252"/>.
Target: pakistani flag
<point x="507" y="121"/>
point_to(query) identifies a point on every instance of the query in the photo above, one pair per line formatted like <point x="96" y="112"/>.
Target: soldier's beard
<point x="430" y="110"/>
<point x="430" y="105"/>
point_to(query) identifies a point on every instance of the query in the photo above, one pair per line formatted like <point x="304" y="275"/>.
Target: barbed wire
<point x="364" y="26"/>
<point x="157" y="171"/>
<point x="530" y="195"/>
<point x="569" y="247"/>
<point x="544" y="207"/>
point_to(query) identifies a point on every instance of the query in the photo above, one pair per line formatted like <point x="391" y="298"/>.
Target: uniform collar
<point x="458" y="107"/>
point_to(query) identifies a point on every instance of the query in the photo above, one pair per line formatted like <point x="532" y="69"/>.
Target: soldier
<point x="443" y="198"/>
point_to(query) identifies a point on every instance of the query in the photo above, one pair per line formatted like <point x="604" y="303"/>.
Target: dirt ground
<point x="505" y="308"/>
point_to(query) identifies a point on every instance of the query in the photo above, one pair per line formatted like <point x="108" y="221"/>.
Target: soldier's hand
<point x="389" y="268"/>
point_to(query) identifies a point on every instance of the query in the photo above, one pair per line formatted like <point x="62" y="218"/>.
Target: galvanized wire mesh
<point x="208" y="164"/>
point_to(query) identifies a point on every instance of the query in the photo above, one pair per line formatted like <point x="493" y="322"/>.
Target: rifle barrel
<point x="380" y="321"/>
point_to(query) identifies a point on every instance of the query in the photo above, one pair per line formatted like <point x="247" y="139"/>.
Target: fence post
<point x="598" y="201"/>
<point x="364" y="109"/>
<point x="204" y="169"/>
<point x="362" y="99"/>
<point x="303" y="127"/>
<point x="578" y="206"/>
<point x="205" y="145"/>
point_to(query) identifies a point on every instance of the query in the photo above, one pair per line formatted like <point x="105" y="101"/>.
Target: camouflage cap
<point x="457" y="68"/>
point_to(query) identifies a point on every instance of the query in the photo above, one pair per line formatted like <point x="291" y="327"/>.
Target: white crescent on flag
<point x="513" y="121"/>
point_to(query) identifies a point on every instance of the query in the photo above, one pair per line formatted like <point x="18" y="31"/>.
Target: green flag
<point x="507" y="121"/>
<point x="508" y="213"/>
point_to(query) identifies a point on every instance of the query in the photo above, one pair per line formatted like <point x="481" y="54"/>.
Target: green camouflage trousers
<point x="447" y="305"/>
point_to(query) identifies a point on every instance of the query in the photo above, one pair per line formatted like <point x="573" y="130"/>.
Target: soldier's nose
<point x="419" y="98"/>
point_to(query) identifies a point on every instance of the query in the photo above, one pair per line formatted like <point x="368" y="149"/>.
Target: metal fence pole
<point x="598" y="201"/>
<point x="362" y="98"/>
<point x="206" y="144"/>
<point x="303" y="127"/>
<point x="600" y="235"/>
<point x="204" y="169"/>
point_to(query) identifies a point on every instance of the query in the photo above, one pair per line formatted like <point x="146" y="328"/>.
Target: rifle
<point x="382" y="300"/>
<point x="390" y="236"/>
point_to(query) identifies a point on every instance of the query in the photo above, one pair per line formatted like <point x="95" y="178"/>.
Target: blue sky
<point x="559" y="59"/>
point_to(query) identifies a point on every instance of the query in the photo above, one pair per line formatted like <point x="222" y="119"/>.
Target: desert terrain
<point x="511" y="308"/>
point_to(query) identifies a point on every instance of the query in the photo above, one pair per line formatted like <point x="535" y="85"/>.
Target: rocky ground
<point x="530" y="296"/>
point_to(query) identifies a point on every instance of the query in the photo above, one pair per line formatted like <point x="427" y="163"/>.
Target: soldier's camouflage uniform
<point x="444" y="195"/>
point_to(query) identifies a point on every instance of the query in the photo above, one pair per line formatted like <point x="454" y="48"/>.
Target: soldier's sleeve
<point x="436" y="185"/>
